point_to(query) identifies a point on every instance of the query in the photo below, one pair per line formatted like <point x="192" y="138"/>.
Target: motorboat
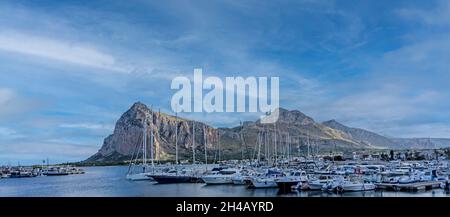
<point x="55" y="171"/>
<point x="22" y="174"/>
<point x="242" y="178"/>
<point x="355" y="186"/>
<point x="317" y="184"/>
<point x="5" y="175"/>
<point x="342" y="185"/>
<point x="287" y="182"/>
<point x="224" y="176"/>
<point x="267" y="180"/>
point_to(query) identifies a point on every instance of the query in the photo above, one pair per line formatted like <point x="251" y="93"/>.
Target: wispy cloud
<point x="59" y="50"/>
<point x="437" y="16"/>
<point x="12" y="104"/>
<point x="89" y="126"/>
<point x="8" y="133"/>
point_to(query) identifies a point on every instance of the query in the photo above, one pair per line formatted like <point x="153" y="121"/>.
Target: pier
<point x="418" y="186"/>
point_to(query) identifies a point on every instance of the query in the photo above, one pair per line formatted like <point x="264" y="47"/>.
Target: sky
<point x="69" y="69"/>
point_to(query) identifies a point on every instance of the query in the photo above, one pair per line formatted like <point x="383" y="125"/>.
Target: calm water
<point x="110" y="181"/>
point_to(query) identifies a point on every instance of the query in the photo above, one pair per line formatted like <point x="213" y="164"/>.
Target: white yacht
<point x="267" y="180"/>
<point x="341" y="185"/>
<point x="5" y="175"/>
<point x="287" y="182"/>
<point x="317" y="184"/>
<point x="221" y="177"/>
<point x="263" y="182"/>
<point x="242" y="178"/>
<point x="56" y="171"/>
<point x="355" y="186"/>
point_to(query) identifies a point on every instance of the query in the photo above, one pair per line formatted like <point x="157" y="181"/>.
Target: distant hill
<point x="421" y="143"/>
<point x="361" y="135"/>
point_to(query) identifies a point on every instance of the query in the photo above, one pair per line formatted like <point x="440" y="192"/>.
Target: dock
<point x="417" y="186"/>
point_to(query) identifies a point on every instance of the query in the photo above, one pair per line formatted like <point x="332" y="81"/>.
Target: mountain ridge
<point x="301" y="133"/>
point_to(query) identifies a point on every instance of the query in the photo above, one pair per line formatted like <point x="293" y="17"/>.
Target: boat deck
<point x="409" y="187"/>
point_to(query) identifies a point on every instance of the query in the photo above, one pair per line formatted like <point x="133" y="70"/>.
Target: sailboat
<point x="176" y="175"/>
<point x="144" y="175"/>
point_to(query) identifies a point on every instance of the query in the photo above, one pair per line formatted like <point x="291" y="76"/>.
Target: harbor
<point x="109" y="181"/>
<point x="279" y="167"/>
<point x="301" y="174"/>
<point x="35" y="171"/>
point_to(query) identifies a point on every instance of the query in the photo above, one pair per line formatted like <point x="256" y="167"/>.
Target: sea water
<point x="111" y="182"/>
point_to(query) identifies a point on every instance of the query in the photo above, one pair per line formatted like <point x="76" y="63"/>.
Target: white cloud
<point x="6" y="95"/>
<point x="89" y="126"/>
<point x="440" y="15"/>
<point x="11" y="103"/>
<point x="8" y="133"/>
<point x="65" y="51"/>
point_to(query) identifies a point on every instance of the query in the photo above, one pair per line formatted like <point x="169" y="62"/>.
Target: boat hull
<point x="56" y="174"/>
<point x="315" y="186"/>
<point x="217" y="180"/>
<point x="140" y="177"/>
<point x="286" y="185"/>
<point x="263" y="184"/>
<point x="358" y="187"/>
<point x="162" y="179"/>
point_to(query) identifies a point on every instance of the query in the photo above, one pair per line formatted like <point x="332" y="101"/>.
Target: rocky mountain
<point x="361" y="135"/>
<point x="293" y="131"/>
<point x="126" y="141"/>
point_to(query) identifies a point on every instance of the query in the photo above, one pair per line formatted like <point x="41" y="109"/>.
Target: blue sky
<point x="69" y="69"/>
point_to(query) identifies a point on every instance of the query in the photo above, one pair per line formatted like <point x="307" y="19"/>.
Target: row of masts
<point x="263" y="140"/>
<point x="145" y="144"/>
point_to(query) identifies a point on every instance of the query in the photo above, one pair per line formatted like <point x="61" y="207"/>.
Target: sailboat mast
<point x="193" y="142"/>
<point x="158" y="151"/>
<point x="307" y="141"/>
<point x="266" y="149"/>
<point x="151" y="140"/>
<point x="218" y="142"/>
<point x="275" y="142"/>
<point x="144" y="143"/>
<point x="242" y="142"/>
<point x="176" y="137"/>
<point x="288" y="147"/>
<point x="206" y="152"/>
<point x="259" y="146"/>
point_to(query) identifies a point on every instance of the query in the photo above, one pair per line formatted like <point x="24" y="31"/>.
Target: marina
<point x="280" y="169"/>
<point x="110" y="182"/>
<point x="30" y="172"/>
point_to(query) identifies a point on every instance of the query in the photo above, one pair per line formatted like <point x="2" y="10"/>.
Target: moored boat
<point x="287" y="182"/>
<point x="221" y="177"/>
